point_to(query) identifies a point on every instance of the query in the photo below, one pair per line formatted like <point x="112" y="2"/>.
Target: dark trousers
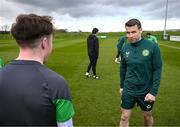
<point x="93" y="62"/>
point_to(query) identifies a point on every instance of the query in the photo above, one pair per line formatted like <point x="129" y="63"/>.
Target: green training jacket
<point x="1" y="63"/>
<point x="141" y="67"/>
<point x="152" y="38"/>
<point x="121" y="42"/>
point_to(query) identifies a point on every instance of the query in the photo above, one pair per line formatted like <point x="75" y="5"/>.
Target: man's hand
<point x="149" y="97"/>
<point x="116" y="60"/>
<point x="120" y="91"/>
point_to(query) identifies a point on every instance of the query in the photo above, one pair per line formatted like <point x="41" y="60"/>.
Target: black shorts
<point x="129" y="101"/>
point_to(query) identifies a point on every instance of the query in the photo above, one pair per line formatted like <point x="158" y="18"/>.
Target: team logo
<point x="145" y="52"/>
<point x="127" y="54"/>
<point x="148" y="106"/>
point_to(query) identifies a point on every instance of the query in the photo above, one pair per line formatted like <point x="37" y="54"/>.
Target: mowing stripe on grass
<point x="170" y="46"/>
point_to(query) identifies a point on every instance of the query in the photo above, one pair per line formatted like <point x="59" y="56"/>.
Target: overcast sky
<point x="107" y="15"/>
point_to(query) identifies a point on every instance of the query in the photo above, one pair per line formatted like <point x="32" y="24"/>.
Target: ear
<point x="140" y="30"/>
<point x="44" y="43"/>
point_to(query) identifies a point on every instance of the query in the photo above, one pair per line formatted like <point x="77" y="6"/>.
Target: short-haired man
<point x="140" y="72"/>
<point x="93" y="52"/>
<point x="30" y="93"/>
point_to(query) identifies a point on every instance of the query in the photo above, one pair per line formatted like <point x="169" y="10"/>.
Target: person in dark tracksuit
<point x="93" y="53"/>
<point x="140" y="74"/>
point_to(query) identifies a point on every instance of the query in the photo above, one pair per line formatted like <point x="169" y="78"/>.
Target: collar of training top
<point x="20" y="62"/>
<point x="137" y="43"/>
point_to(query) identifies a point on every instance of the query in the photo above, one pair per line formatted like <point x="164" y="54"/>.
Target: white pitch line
<point x="170" y="46"/>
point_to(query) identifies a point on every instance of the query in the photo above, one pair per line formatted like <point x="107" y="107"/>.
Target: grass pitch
<point x="97" y="102"/>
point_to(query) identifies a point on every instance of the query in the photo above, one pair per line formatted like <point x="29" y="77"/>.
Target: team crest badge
<point x="145" y="52"/>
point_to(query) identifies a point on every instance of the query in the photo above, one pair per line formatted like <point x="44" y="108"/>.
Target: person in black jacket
<point x="93" y="53"/>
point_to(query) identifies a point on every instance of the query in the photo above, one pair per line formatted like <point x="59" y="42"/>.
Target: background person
<point x="30" y="93"/>
<point x="121" y="42"/>
<point x="1" y="63"/>
<point x="151" y="37"/>
<point x="140" y="72"/>
<point x="93" y="52"/>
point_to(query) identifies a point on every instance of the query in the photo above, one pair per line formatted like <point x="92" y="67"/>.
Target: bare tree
<point x="4" y="28"/>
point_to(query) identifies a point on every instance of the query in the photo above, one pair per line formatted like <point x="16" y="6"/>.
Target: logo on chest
<point x="127" y="54"/>
<point x="145" y="52"/>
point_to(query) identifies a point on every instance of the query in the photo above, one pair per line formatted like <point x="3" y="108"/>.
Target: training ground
<point x="97" y="102"/>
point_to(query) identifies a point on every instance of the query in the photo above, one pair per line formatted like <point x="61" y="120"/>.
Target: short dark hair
<point x="133" y="22"/>
<point x="95" y="30"/>
<point x="148" y="33"/>
<point x="29" y="27"/>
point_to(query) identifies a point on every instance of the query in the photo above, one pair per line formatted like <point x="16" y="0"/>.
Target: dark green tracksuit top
<point x="141" y="67"/>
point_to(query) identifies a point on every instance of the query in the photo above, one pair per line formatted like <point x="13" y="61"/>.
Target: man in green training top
<point x="140" y="72"/>
<point x="121" y="42"/>
<point x="1" y="63"/>
<point x="151" y="37"/>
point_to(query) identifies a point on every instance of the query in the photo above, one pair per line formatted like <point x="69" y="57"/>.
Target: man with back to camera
<point x="30" y="93"/>
<point x="93" y="53"/>
<point x="140" y="73"/>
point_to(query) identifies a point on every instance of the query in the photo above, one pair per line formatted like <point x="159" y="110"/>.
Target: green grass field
<point x="97" y="102"/>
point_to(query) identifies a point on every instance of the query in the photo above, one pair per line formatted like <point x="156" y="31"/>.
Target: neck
<point x="26" y="54"/>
